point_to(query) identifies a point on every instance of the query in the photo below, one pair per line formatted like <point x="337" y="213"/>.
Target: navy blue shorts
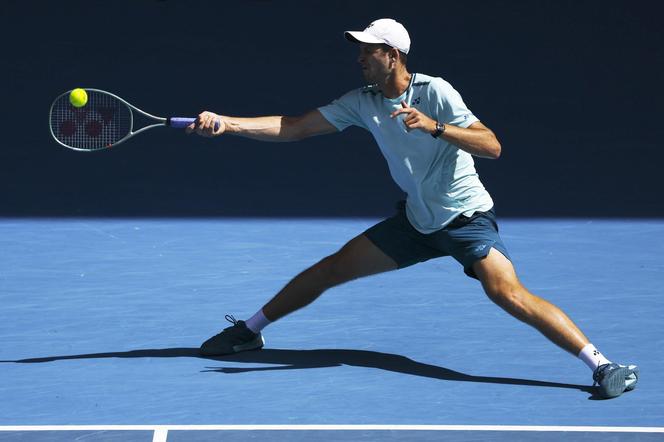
<point x="466" y="239"/>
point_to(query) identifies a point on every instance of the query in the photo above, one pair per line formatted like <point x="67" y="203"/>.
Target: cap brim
<point x="362" y="37"/>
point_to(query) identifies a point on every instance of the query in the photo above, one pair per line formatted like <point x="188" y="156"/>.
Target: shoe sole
<point x="257" y="343"/>
<point x="633" y="370"/>
<point x="614" y="383"/>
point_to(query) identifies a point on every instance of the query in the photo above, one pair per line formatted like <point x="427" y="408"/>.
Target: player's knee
<point x="511" y="296"/>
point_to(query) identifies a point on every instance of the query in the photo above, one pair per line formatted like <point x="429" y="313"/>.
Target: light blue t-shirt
<point x="438" y="177"/>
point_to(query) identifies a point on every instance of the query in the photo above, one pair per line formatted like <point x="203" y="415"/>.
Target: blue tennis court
<point x="116" y="265"/>
<point x="102" y="320"/>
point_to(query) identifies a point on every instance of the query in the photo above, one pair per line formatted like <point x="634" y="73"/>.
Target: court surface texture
<point x="102" y="319"/>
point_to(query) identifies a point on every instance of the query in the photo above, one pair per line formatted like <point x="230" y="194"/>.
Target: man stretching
<point x="428" y="137"/>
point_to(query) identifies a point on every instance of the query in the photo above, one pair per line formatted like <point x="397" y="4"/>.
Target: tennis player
<point x="428" y="137"/>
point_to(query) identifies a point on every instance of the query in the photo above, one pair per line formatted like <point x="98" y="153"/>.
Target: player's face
<point x="375" y="62"/>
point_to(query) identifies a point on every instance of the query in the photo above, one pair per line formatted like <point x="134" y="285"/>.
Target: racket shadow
<point x="307" y="359"/>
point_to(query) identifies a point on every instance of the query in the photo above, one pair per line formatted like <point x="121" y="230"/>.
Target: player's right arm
<point x="274" y="128"/>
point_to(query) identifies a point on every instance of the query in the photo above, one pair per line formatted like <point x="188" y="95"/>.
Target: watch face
<point x="439" y="130"/>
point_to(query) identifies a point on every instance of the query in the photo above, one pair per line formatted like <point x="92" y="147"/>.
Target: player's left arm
<point x="476" y="139"/>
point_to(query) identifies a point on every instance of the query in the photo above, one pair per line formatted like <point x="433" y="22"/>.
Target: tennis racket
<point x="105" y="121"/>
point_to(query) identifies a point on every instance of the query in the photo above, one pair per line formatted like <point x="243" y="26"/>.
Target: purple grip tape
<point x="182" y="122"/>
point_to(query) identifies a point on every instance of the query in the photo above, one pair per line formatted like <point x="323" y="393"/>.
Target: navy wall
<point x="570" y="87"/>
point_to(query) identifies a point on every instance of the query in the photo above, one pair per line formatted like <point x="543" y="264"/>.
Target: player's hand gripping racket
<point x="106" y="120"/>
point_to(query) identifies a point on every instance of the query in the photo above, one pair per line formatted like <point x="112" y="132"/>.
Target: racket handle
<point x="179" y="122"/>
<point x="182" y="122"/>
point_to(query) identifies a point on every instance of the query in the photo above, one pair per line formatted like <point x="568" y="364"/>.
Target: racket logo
<point x="87" y="122"/>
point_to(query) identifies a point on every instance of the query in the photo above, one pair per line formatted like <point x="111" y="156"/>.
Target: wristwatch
<point x="440" y="129"/>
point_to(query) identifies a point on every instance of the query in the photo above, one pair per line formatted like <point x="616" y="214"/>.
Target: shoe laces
<point x="598" y="373"/>
<point x="232" y="320"/>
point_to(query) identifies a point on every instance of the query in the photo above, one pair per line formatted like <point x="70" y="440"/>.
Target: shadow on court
<point x="304" y="359"/>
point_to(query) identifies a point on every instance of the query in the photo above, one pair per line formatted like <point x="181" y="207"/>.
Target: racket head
<point x="104" y="121"/>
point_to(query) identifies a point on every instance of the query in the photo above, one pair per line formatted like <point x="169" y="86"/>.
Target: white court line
<point x="160" y="435"/>
<point x="163" y="429"/>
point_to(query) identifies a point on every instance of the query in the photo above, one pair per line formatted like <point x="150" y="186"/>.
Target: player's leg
<point x="501" y="284"/>
<point x="359" y="257"/>
<point x="392" y="243"/>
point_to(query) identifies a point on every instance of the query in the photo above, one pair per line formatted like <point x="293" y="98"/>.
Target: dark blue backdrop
<point x="570" y="88"/>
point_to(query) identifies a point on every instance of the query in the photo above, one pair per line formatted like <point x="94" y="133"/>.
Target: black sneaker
<point x="233" y="339"/>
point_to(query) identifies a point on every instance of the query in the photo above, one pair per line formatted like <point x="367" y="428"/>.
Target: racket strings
<point x="102" y="122"/>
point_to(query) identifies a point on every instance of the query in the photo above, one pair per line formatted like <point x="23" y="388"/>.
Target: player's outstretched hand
<point x="207" y="124"/>
<point x="414" y="119"/>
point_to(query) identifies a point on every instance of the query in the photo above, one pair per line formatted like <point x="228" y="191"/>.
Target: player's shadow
<point x="304" y="359"/>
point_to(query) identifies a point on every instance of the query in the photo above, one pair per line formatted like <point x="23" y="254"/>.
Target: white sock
<point x="257" y="322"/>
<point x="592" y="357"/>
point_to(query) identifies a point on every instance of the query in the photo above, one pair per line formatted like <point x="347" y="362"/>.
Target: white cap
<point x="385" y="30"/>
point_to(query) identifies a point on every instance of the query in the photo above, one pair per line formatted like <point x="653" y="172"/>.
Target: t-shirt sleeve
<point x="449" y="107"/>
<point x="344" y="111"/>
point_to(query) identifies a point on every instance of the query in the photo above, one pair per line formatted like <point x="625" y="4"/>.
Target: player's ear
<point x="397" y="57"/>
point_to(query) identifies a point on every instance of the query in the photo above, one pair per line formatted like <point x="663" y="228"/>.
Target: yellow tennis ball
<point x="78" y="97"/>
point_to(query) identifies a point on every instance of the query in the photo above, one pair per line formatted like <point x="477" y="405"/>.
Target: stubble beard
<point x="367" y="77"/>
